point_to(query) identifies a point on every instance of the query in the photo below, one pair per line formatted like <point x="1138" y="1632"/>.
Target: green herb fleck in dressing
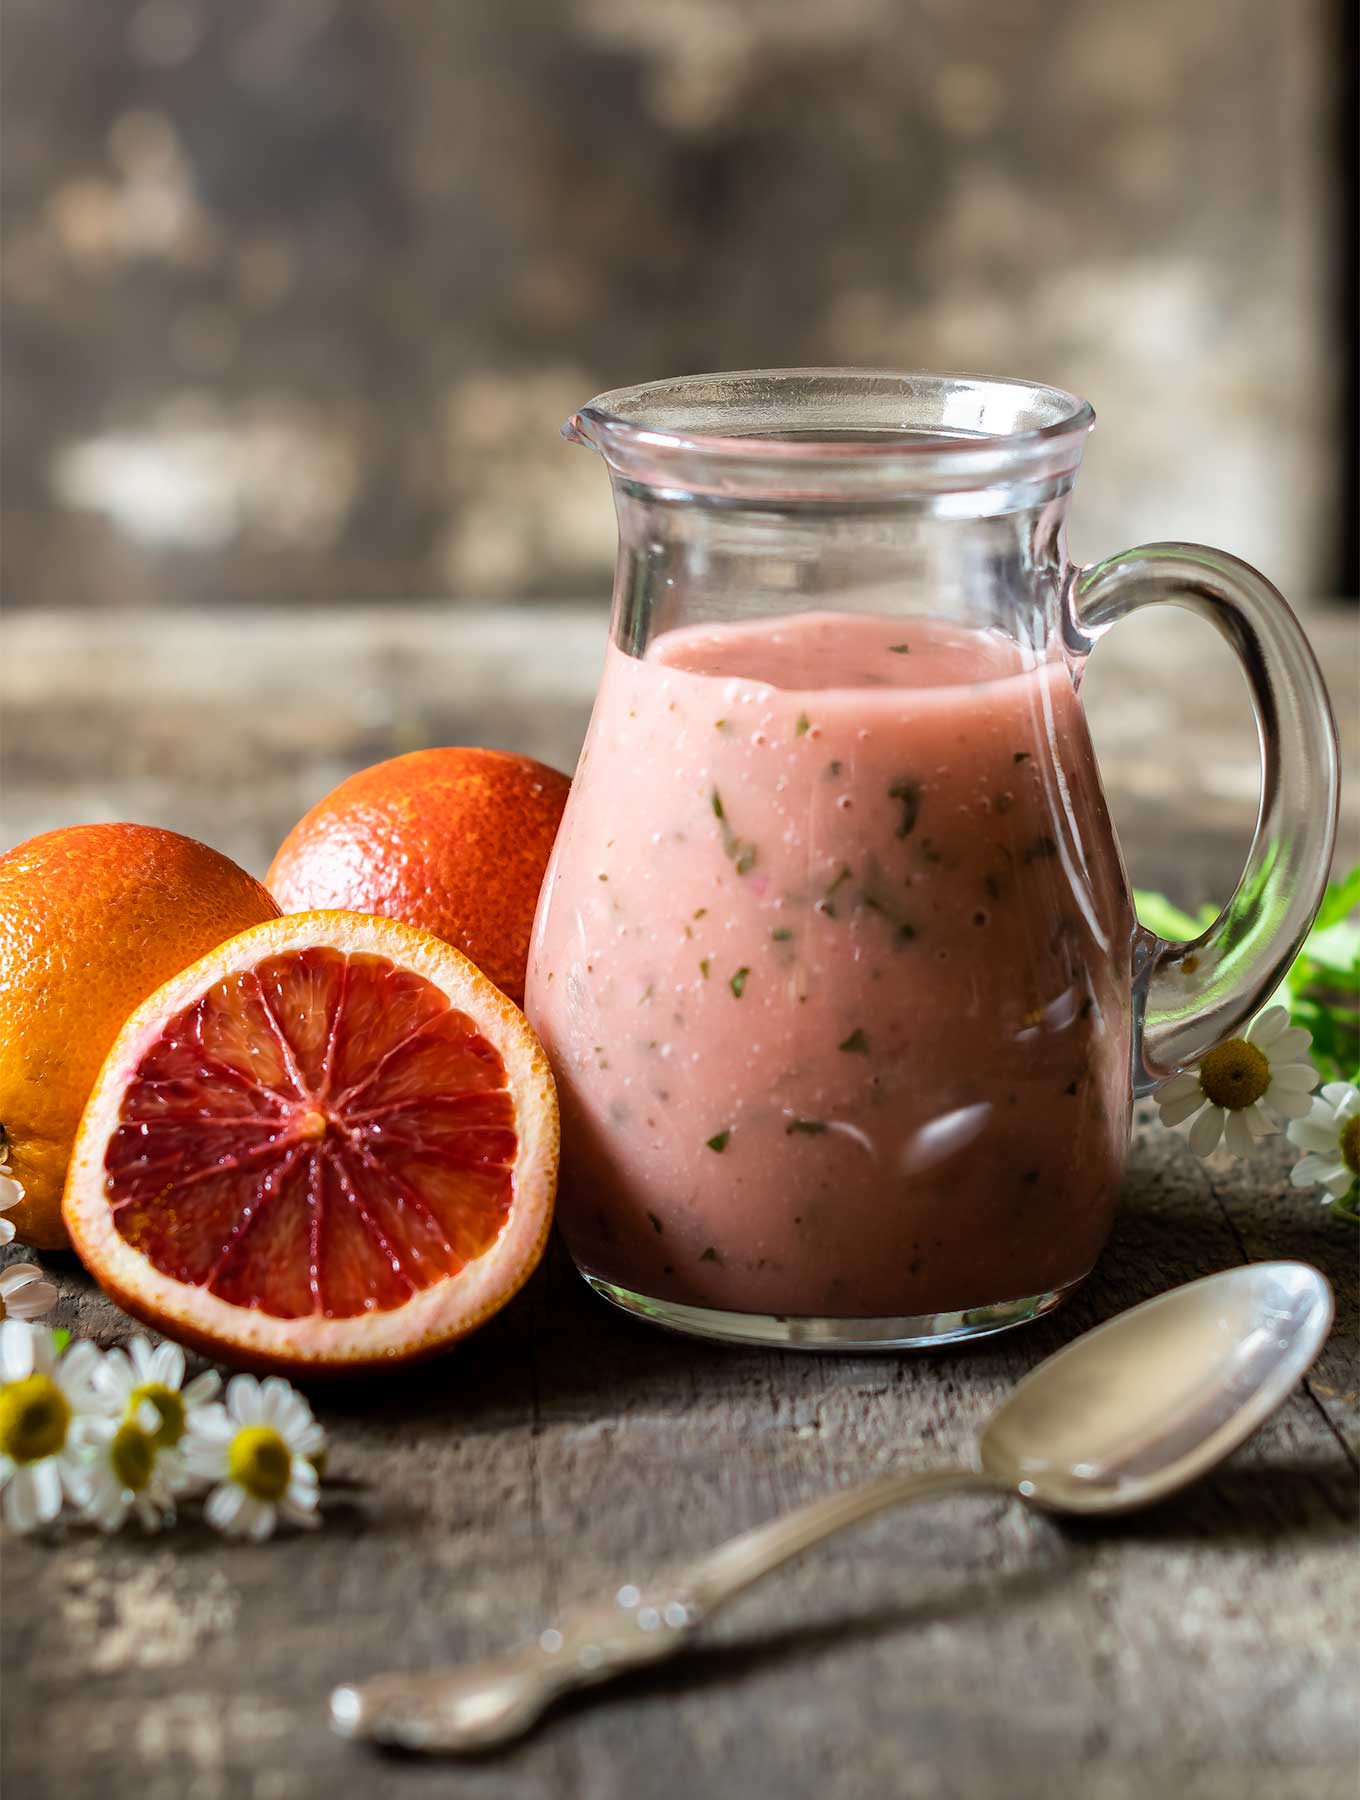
<point x="803" y="726"/>
<point x="908" y="796"/>
<point x="742" y="854"/>
<point x="857" y="1043"/>
<point x="805" y="1127"/>
<point x="711" y="1255"/>
<point x="1041" y="849"/>
<point x="719" y="1141"/>
<point x="738" y="983"/>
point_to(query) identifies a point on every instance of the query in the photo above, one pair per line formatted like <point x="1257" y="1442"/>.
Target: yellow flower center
<point x="1235" y="1075"/>
<point x="132" y="1455"/>
<point x="260" y="1462"/>
<point x="170" y="1407"/>
<point x="1350" y="1144"/>
<point x="34" y="1415"/>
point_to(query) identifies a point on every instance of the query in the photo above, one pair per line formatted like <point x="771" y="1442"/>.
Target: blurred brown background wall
<point x="296" y="292"/>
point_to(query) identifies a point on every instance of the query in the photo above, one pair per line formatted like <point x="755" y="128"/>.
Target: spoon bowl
<point x="1152" y="1400"/>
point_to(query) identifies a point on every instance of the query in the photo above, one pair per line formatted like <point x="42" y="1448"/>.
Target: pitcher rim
<point x="606" y="411"/>
<point x="969" y="445"/>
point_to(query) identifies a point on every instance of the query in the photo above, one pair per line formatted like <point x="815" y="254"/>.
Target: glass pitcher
<point x="836" y="962"/>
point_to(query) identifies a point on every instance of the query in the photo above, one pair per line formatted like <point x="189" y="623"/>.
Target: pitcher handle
<point x="1191" y="996"/>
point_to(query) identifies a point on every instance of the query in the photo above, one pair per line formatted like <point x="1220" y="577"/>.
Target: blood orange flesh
<point x="318" y="1134"/>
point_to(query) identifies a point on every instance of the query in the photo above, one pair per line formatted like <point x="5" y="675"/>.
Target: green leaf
<point x="1341" y="898"/>
<point x="1165" y="918"/>
<point x="1336" y="947"/>
<point x="61" y="1337"/>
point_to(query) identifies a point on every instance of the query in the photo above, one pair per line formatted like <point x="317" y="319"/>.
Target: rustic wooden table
<point x="960" y="1649"/>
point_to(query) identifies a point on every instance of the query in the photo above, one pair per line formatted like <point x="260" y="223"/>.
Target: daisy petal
<point x="32" y="1300"/>
<point x="114" y="1376"/>
<point x="14" y="1275"/>
<point x="6" y="1231"/>
<point x="309" y="1440"/>
<point x="11" y="1193"/>
<point x="292" y="1415"/>
<point x="1340" y="1185"/>
<point x="1311" y="1170"/>
<point x="262" y="1525"/>
<point x="1265" y="1030"/>
<point x="21" y="1506"/>
<point x="304" y="1484"/>
<point x="243" y="1400"/>
<point x="46" y="1477"/>
<point x="1237" y="1135"/>
<point x="1187" y="1082"/>
<point x="1316" y="1132"/>
<point x="1259" y="1122"/>
<point x="1288" y="1102"/>
<point x="1337" y="1093"/>
<point x="275" y="1399"/>
<point x="17" y="1350"/>
<point x="168" y="1362"/>
<point x="223" y="1506"/>
<point x="146" y="1417"/>
<point x="1206" y="1131"/>
<point x="1290" y="1046"/>
<point x="1302" y="1076"/>
<point x="202" y="1388"/>
<point x="1177" y="1111"/>
<point x="76" y="1369"/>
<point x="213" y="1423"/>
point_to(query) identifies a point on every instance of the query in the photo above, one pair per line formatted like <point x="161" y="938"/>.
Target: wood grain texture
<point x="956" y="1650"/>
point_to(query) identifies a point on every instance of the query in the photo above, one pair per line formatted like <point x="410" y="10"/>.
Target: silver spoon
<point x="1124" y="1416"/>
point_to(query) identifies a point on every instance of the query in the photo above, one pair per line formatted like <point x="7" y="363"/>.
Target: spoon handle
<point x="493" y="1702"/>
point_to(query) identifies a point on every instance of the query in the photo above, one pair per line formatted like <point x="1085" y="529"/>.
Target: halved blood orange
<point x="331" y="1143"/>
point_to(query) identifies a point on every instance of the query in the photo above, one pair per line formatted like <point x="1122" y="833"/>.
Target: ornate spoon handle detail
<point x="493" y="1702"/>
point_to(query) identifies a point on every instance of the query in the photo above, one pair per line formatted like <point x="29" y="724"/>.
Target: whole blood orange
<point x="329" y="1144"/>
<point x="93" y="918"/>
<point x="456" y="841"/>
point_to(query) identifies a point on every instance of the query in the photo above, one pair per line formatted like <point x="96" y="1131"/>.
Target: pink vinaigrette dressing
<point x="835" y="973"/>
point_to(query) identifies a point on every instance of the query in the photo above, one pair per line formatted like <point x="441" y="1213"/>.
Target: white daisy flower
<point x="128" y="1472"/>
<point x="155" y="1374"/>
<point x="258" y="1449"/>
<point x="1331" y="1137"/>
<point x="138" y="1463"/>
<point x="1242" y="1089"/>
<point x="45" y="1398"/>
<point x="11" y="1193"/>
<point x="23" y="1292"/>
